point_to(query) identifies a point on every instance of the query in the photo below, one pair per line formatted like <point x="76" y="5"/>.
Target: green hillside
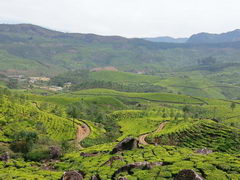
<point x="163" y="108"/>
<point x="31" y="124"/>
<point x="66" y="51"/>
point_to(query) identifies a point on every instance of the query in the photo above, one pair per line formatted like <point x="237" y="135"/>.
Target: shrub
<point x="38" y="154"/>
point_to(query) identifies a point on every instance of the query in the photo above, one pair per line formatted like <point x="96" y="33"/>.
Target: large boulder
<point x="126" y="144"/>
<point x="188" y="174"/>
<point x="72" y="175"/>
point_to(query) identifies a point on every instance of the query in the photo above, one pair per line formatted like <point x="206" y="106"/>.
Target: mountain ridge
<point x="231" y="36"/>
<point x="166" y="39"/>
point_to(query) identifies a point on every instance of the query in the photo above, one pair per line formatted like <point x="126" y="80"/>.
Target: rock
<point x="126" y="144"/>
<point x="188" y="174"/>
<point x="5" y="157"/>
<point x="55" y="152"/>
<point x="140" y="165"/>
<point x="72" y="175"/>
<point x="112" y="159"/>
<point x="204" y="151"/>
<point x="95" y="177"/>
<point x="122" y="178"/>
<point x="83" y="154"/>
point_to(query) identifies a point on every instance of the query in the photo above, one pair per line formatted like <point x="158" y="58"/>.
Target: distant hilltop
<point x="232" y="36"/>
<point x="201" y="38"/>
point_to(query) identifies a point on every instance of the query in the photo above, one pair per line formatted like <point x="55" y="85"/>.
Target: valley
<point x="108" y="107"/>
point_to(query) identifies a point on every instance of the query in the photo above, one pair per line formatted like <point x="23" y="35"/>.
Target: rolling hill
<point x="30" y="49"/>
<point x="232" y="36"/>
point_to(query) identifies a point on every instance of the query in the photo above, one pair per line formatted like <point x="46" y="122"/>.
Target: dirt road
<point x="143" y="137"/>
<point x="83" y="131"/>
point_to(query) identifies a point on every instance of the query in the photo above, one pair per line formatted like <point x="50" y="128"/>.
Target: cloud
<point x="131" y="18"/>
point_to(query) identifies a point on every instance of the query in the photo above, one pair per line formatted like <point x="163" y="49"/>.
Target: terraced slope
<point x="212" y="166"/>
<point x="203" y="133"/>
<point x="153" y="97"/>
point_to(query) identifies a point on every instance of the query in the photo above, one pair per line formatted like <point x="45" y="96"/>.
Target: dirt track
<point x="142" y="137"/>
<point x="83" y="131"/>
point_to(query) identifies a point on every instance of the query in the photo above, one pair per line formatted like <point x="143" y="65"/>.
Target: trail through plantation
<point x="83" y="131"/>
<point x="143" y="137"/>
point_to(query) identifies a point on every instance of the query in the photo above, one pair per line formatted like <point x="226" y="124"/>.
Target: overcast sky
<point x="130" y="18"/>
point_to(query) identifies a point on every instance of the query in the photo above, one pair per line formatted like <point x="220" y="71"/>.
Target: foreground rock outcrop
<point x="188" y="174"/>
<point x="126" y="144"/>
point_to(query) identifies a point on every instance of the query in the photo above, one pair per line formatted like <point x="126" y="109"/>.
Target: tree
<point x="233" y="105"/>
<point x="24" y="141"/>
<point x="12" y="84"/>
<point x="186" y="109"/>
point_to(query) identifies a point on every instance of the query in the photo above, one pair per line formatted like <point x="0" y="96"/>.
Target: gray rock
<point x="126" y="144"/>
<point x="122" y="178"/>
<point x="95" y="177"/>
<point x="55" y="152"/>
<point x="112" y="159"/>
<point x="5" y="157"/>
<point x="83" y="154"/>
<point x="72" y="175"/>
<point x="204" y="151"/>
<point x="139" y="165"/>
<point x="188" y="174"/>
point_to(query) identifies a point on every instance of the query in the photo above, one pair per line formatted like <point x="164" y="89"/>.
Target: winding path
<point x="83" y="130"/>
<point x="143" y="137"/>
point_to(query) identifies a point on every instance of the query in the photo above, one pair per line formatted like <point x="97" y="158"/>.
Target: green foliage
<point x="23" y="141"/>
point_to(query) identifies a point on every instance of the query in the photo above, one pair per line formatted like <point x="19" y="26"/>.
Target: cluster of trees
<point x="133" y="87"/>
<point x="207" y="61"/>
<point x="74" y="77"/>
<point x="80" y="79"/>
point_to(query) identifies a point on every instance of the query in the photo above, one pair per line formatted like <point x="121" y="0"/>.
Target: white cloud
<point x="131" y="18"/>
